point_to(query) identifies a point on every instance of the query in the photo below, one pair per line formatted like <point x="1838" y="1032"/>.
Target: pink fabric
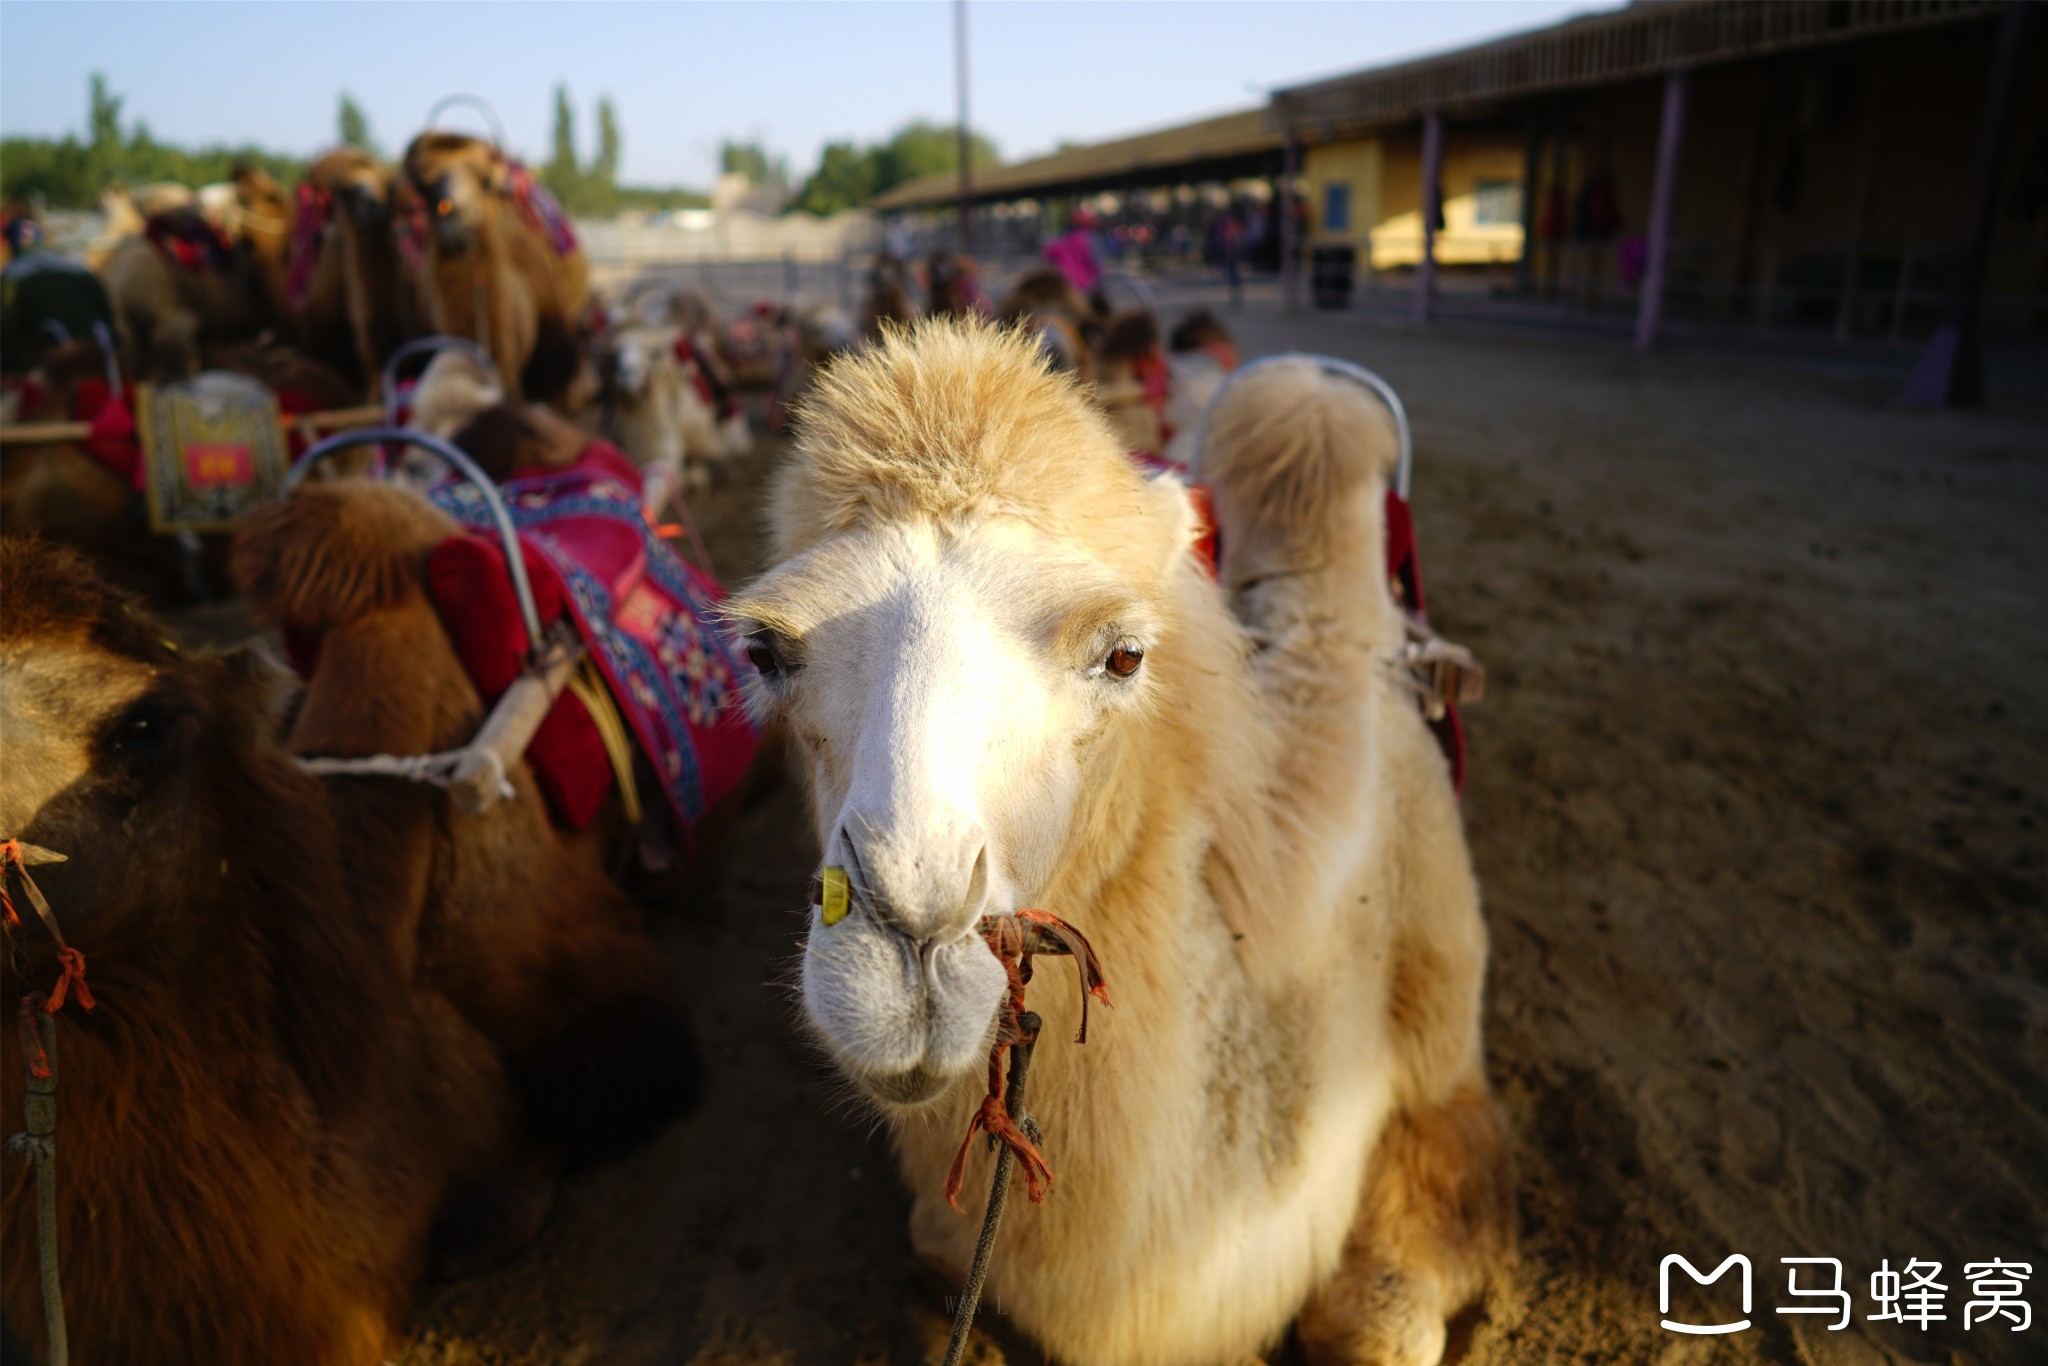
<point x="1074" y="254"/>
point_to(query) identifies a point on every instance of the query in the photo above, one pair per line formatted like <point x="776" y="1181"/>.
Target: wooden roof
<point x="1647" y="38"/>
<point x="1220" y="148"/>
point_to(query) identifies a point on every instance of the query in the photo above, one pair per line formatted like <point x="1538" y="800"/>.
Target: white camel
<point x="656" y="412"/>
<point x="1013" y="685"/>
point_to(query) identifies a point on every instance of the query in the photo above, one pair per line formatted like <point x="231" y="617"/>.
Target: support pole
<point x="1532" y="167"/>
<point x="1859" y="225"/>
<point x="1432" y="195"/>
<point x="1560" y="180"/>
<point x="1290" y="245"/>
<point x="966" y="170"/>
<point x="1951" y="370"/>
<point x="1670" y="144"/>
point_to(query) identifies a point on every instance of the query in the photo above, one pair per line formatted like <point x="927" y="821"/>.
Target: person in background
<point x="1230" y="252"/>
<point x="1073" y="252"/>
<point x="897" y="239"/>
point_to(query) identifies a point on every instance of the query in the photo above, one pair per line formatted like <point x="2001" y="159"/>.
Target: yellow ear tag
<point x="837" y="897"/>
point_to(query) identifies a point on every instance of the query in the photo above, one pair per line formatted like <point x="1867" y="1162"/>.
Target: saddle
<point x="647" y="619"/>
<point x="192" y="244"/>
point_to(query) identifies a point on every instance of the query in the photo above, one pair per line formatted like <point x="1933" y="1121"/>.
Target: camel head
<point x="121" y="748"/>
<point x="262" y="212"/>
<point x="358" y="183"/>
<point x="460" y="180"/>
<point x="972" y="585"/>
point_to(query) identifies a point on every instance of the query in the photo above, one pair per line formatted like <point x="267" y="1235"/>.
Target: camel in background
<point x="345" y="282"/>
<point x="661" y="409"/>
<point x="888" y="299"/>
<point x="1130" y="380"/>
<point x="266" y="1111"/>
<point x="1012" y="684"/>
<point x="1057" y="315"/>
<point x="341" y="568"/>
<point x="493" y="261"/>
<point x="193" y="278"/>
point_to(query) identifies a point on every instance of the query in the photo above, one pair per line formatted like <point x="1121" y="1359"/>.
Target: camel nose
<point x="931" y="889"/>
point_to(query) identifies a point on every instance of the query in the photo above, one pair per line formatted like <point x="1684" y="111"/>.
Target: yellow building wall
<point x="1385" y="175"/>
<point x="1357" y="164"/>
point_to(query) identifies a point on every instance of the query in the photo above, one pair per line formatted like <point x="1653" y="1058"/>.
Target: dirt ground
<point x="1757" y="798"/>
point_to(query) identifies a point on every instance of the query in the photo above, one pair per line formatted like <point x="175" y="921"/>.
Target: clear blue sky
<point x="686" y="75"/>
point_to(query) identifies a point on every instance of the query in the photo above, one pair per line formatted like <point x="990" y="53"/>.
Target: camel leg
<point x="1435" y="1220"/>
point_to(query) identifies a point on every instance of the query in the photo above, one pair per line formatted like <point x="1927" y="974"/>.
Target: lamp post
<point x="960" y="84"/>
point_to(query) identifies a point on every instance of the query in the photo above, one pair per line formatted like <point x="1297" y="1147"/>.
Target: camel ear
<point x="1176" y="510"/>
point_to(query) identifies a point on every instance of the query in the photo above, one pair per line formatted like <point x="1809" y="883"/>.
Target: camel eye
<point x="1124" y="659"/>
<point x="765" y="653"/>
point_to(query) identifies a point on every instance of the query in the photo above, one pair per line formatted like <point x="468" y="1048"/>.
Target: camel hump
<point x="332" y="552"/>
<point x="1287" y="450"/>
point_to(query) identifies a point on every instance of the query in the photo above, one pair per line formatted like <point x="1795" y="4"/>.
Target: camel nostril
<point x="977" y="887"/>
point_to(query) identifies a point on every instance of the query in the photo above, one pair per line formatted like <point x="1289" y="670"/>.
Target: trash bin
<point x="1330" y="269"/>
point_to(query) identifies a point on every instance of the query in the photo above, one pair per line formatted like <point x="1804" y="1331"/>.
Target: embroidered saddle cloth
<point x="213" y="449"/>
<point x="647" y="619"/>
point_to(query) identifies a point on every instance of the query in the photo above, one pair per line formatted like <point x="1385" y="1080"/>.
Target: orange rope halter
<point x="17" y="856"/>
<point x="1013" y="939"/>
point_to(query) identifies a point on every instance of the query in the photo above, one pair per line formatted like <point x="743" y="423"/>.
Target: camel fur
<point x="523" y="931"/>
<point x="1011" y="684"/>
<point x="358" y="308"/>
<point x="260" y="1119"/>
<point x="486" y="273"/>
<point x="165" y="314"/>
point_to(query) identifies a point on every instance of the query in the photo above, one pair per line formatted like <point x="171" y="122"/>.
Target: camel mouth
<point x="907" y="1090"/>
<point x="904" y="1024"/>
<point x="452" y="237"/>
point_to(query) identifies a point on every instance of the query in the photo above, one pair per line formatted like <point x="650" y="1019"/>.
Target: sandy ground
<point x="1757" y="798"/>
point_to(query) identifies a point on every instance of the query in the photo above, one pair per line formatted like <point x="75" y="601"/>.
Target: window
<point x="1337" y="206"/>
<point x="1497" y="201"/>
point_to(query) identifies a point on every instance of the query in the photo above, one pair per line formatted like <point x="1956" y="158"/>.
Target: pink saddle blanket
<point x="647" y="618"/>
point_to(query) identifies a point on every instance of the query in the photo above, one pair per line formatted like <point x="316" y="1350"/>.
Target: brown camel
<point x="486" y="266"/>
<point x="344" y="280"/>
<point x="262" y="1115"/>
<point x="523" y="931"/>
<point x="186" y="281"/>
<point x="888" y="300"/>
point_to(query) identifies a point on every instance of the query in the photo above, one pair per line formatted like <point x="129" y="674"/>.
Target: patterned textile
<point x="538" y="205"/>
<point x="191" y="242"/>
<point x="646" y="617"/>
<point x="213" y="449"/>
<point x="312" y="208"/>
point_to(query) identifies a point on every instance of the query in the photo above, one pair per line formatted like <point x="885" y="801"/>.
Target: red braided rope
<point x="1006" y="940"/>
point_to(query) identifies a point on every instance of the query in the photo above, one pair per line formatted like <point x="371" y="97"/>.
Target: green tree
<point x="562" y="157"/>
<point x="848" y="176"/>
<point x="922" y="149"/>
<point x="103" y="122"/>
<point x="606" y="168"/>
<point x="354" y="124"/>
<point x="752" y="160"/>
